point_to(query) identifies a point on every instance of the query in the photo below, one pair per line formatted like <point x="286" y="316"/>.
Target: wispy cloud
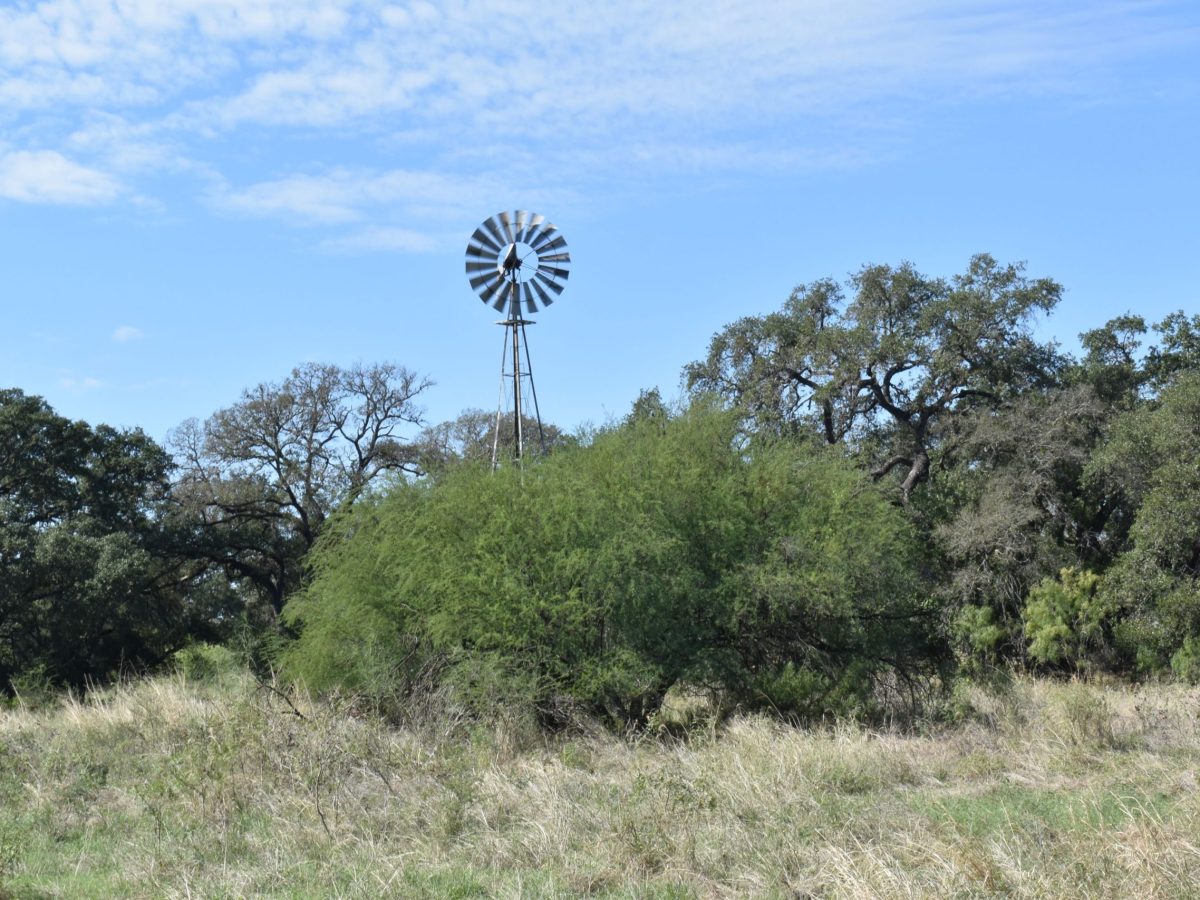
<point x="123" y="334"/>
<point x="79" y="383"/>
<point x="317" y="200"/>
<point x="46" y="176"/>
<point x="341" y="195"/>
<point x="401" y="240"/>
<point x="271" y="94"/>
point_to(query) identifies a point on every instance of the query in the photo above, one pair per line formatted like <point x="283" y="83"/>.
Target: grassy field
<point x="171" y="788"/>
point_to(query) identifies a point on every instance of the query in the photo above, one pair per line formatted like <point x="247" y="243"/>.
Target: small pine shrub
<point x="33" y="688"/>
<point x="976" y="629"/>
<point x="1064" y="620"/>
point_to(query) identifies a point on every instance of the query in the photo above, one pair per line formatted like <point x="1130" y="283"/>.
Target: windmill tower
<point x="513" y="259"/>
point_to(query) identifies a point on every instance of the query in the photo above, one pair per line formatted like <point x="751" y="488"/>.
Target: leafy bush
<point x="976" y="629"/>
<point x="664" y="553"/>
<point x="207" y="662"/>
<point x="1185" y="662"/>
<point x="1065" y="619"/>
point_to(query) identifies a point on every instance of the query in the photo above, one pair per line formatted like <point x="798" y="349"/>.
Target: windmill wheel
<point x="517" y="257"/>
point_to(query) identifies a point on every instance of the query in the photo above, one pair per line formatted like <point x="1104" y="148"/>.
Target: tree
<point x="90" y="580"/>
<point x="1012" y="507"/>
<point x="1122" y="373"/>
<point x="1179" y="350"/>
<point x="1019" y="496"/>
<point x="885" y="370"/>
<point x="1152" y="462"/>
<point x="258" y="480"/>
<point x="1112" y="363"/>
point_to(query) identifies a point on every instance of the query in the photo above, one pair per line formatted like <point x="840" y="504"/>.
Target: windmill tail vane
<point x="517" y="258"/>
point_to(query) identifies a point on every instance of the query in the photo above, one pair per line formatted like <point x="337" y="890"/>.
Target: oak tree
<point x="259" y="478"/>
<point x="90" y="578"/>
<point x="884" y="360"/>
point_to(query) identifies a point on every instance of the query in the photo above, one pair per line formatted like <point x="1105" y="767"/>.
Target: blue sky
<point x="198" y="195"/>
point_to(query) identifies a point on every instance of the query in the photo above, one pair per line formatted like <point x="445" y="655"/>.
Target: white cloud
<point x="123" y="334"/>
<point x="79" y="383"/>
<point x="479" y="69"/>
<point x="400" y="240"/>
<point x="46" y="176"/>
<point x="514" y="92"/>
<point x="343" y="195"/>
<point x="512" y="65"/>
<point x="312" y="199"/>
<point x="124" y="146"/>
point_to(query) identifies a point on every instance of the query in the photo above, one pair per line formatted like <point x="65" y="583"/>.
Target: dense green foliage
<point x="1153" y="461"/>
<point x="89" y="582"/>
<point x="662" y="554"/>
<point x="1028" y="462"/>
<point x="1065" y="619"/>
<point x="882" y="480"/>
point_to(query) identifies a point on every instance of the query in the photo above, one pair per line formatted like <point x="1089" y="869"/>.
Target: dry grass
<point x="167" y="788"/>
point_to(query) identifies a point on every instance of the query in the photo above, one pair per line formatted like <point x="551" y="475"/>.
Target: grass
<point x="216" y="788"/>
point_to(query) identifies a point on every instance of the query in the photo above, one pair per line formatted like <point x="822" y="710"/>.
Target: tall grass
<point x="178" y="788"/>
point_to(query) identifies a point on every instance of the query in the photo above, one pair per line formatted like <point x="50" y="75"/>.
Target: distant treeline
<point x="884" y="483"/>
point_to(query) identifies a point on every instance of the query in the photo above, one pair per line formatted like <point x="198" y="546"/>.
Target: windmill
<point x="513" y="259"/>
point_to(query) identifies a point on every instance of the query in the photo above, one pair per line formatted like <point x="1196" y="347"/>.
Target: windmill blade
<point x="507" y="225"/>
<point x="494" y="230"/>
<point x="481" y="252"/>
<point x="502" y="300"/>
<point x="559" y="243"/>
<point x="548" y="282"/>
<point x="533" y="227"/>
<point x="482" y="238"/>
<point x="481" y="281"/>
<point x="490" y="291"/>
<point x="542" y="295"/>
<point x="543" y="273"/>
<point x="554" y="272"/>
<point x="549" y="232"/>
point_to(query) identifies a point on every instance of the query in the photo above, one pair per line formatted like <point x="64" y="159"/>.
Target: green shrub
<point x="1064" y="619"/>
<point x="1185" y="662"/>
<point x="33" y="688"/>
<point x="207" y="662"/>
<point x="664" y="553"/>
<point x="1161" y="611"/>
<point x="1152" y="463"/>
<point x="976" y="629"/>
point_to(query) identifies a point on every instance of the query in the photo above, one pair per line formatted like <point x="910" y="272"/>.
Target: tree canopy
<point x="887" y="367"/>
<point x="90" y="580"/>
<point x="258" y="479"/>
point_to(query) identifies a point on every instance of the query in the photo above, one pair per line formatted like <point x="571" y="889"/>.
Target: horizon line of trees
<point x="978" y="498"/>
